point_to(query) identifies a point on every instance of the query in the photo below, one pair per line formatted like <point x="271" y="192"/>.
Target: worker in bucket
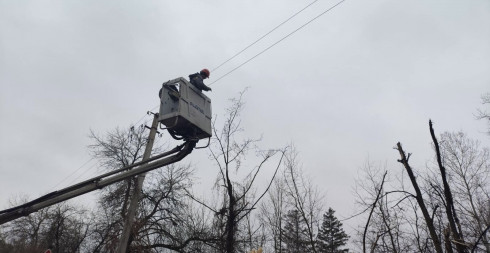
<point x="197" y="80"/>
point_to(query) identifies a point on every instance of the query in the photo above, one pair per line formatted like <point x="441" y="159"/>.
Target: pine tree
<point x="295" y="233"/>
<point x="331" y="236"/>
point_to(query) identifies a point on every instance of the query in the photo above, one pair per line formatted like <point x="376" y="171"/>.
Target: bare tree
<point x="429" y="221"/>
<point x="450" y="211"/>
<point x="373" y="207"/>
<point x="25" y="234"/>
<point x="114" y="150"/>
<point x="165" y="221"/>
<point x="4" y="245"/>
<point x="62" y="228"/>
<point x="456" y="192"/>
<point x="468" y="169"/>
<point x="482" y="113"/>
<point x="393" y="215"/>
<point x="105" y="230"/>
<point x="229" y="150"/>
<point x="303" y="197"/>
<point x="385" y="202"/>
<point x="272" y="212"/>
<point x="292" y="211"/>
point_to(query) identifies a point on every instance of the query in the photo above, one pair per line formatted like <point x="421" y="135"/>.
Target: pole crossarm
<point x="172" y="156"/>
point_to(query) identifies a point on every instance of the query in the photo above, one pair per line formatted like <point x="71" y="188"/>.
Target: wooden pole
<point x="136" y="196"/>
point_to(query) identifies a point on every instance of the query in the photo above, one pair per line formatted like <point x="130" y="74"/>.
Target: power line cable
<point x="263" y="51"/>
<point x="263" y="36"/>
<point x="71" y="174"/>
<point x="75" y="179"/>
<point x="89" y="160"/>
<point x="275" y="28"/>
<point x="144" y="116"/>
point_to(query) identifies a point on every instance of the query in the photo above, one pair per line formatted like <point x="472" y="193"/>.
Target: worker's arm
<point x="198" y="82"/>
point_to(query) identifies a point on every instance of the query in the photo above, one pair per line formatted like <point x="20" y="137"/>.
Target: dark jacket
<point x="198" y="81"/>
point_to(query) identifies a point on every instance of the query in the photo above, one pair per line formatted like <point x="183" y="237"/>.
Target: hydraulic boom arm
<point x="172" y="156"/>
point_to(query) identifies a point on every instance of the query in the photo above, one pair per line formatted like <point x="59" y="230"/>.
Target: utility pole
<point x="136" y="196"/>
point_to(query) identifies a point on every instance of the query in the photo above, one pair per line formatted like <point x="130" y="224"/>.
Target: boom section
<point x="164" y="159"/>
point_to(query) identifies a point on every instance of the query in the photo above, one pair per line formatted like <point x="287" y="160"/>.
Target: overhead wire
<point x="91" y="159"/>
<point x="277" y="42"/>
<point x="263" y="36"/>
<point x="234" y="69"/>
<point x="137" y="122"/>
<point x="64" y="179"/>
<point x="83" y="173"/>
<point x="144" y="116"/>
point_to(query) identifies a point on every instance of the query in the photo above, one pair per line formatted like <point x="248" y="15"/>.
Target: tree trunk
<point x="450" y="211"/>
<point x="380" y="190"/>
<point x="232" y="216"/>
<point x="420" y="200"/>
<point x="447" y="240"/>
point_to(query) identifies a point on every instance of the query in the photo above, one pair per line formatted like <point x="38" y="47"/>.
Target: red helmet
<point x="205" y="73"/>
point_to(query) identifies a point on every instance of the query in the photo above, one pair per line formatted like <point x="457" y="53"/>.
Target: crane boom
<point x="172" y="156"/>
<point x="185" y="112"/>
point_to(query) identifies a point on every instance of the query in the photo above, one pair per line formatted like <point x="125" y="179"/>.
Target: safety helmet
<point x="205" y="73"/>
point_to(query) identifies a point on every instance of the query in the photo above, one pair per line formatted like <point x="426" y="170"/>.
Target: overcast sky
<point x="343" y="89"/>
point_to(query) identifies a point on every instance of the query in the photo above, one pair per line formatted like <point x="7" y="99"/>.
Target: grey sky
<point x="346" y="87"/>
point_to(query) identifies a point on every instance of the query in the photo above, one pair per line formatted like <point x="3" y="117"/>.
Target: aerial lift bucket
<point x="184" y="110"/>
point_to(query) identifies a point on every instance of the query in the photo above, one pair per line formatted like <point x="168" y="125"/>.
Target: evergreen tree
<point x="295" y="233"/>
<point x="331" y="236"/>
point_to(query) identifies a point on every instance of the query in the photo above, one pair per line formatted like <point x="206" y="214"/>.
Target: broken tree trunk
<point x="418" y="196"/>
<point x="450" y="211"/>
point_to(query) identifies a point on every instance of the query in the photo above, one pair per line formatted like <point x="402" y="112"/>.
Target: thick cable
<point x="263" y="36"/>
<point x="263" y="51"/>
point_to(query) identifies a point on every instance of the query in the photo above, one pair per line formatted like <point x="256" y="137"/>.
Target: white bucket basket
<point x="185" y="110"/>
